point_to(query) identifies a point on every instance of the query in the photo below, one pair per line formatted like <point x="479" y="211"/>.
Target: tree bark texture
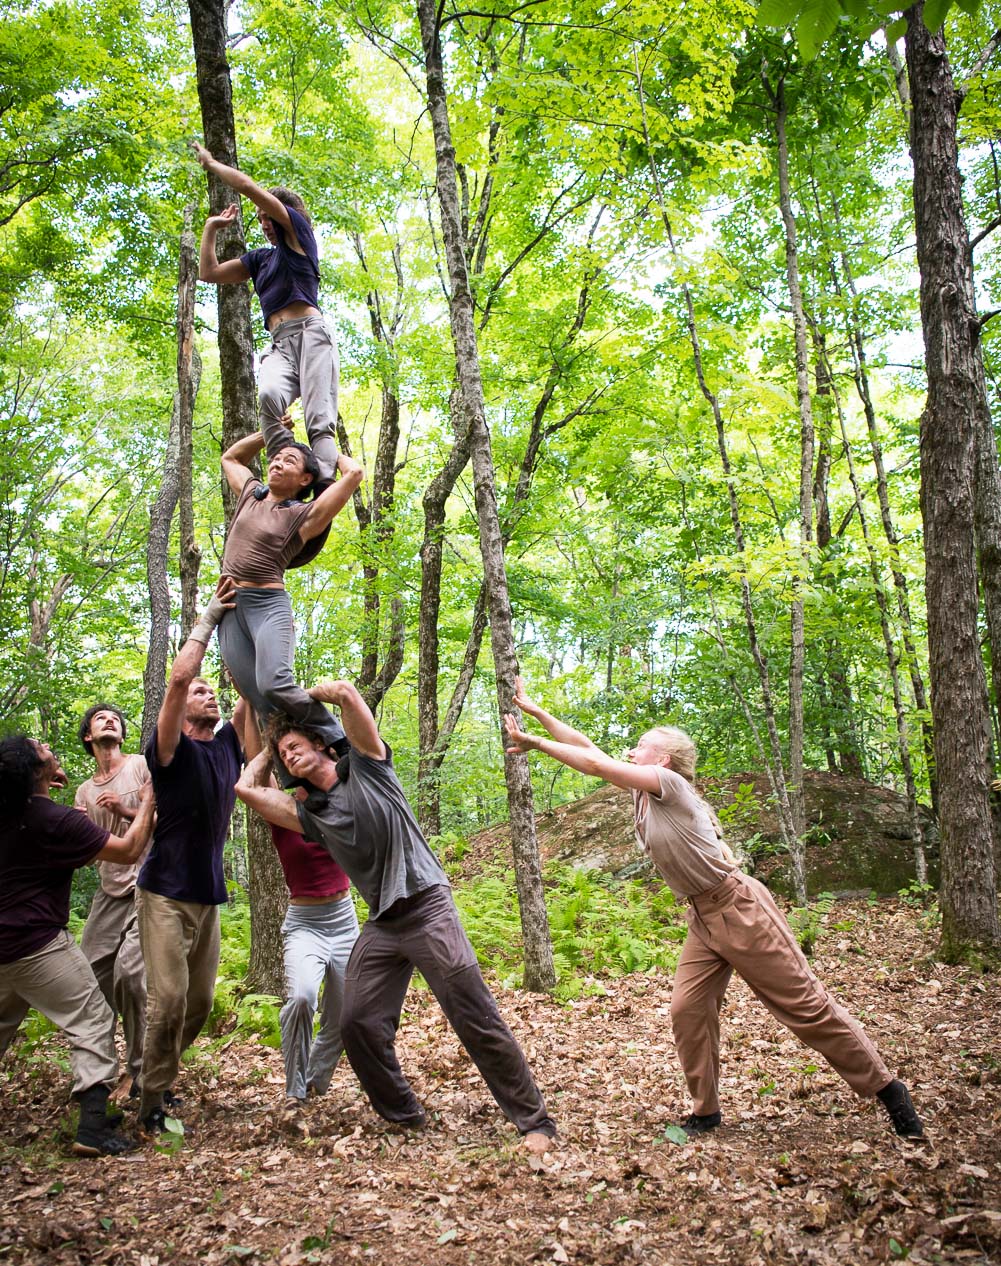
<point x="267" y="892"/>
<point x="189" y="373"/>
<point x="191" y="555"/>
<point x="235" y="338"/>
<point x="539" y="970"/>
<point x="949" y="424"/>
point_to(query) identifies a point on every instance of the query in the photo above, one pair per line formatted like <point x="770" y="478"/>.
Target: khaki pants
<point x="737" y="927"/>
<point x="180" y="945"/>
<point x="57" y="981"/>
<point x="110" y="943"/>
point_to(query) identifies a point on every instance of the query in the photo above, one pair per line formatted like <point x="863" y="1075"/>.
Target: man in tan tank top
<point x="111" y="935"/>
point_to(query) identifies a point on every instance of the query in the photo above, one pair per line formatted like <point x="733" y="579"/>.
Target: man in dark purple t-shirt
<point x="41" y="966"/>
<point x="181" y="886"/>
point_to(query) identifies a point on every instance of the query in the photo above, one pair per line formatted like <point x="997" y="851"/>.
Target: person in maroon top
<point x="41" y="844"/>
<point x="318" y="935"/>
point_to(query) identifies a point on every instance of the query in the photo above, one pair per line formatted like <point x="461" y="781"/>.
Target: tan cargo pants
<point x="737" y="927"/>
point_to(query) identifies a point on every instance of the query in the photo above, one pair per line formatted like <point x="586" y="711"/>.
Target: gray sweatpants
<point x="301" y="362"/>
<point x="257" y="641"/>
<point x="110" y="943"/>
<point x="318" y="941"/>
<point x="57" y="980"/>
<point x="427" y="935"/>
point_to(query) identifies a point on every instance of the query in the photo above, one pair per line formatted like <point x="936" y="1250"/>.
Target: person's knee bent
<point x="273" y="400"/>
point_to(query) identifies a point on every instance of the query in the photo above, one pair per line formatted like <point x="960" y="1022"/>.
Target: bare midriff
<point x="293" y="312"/>
<point x="257" y="584"/>
<point x="318" y="901"/>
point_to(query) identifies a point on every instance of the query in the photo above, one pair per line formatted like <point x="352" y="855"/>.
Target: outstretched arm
<point x="356" y="716"/>
<point x="274" y="806"/>
<point x="184" y="670"/>
<point x="560" y="732"/>
<point x="586" y="760"/>
<point x="332" y="500"/>
<point x="209" y="266"/>
<point x="125" y="850"/>
<point x="235" y="469"/>
<point x="243" y="184"/>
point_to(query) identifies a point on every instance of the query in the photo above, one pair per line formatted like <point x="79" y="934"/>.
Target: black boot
<point x="96" y="1135"/>
<point x="896" y="1099"/>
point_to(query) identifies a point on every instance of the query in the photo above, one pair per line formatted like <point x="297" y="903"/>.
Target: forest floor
<point x="800" y="1171"/>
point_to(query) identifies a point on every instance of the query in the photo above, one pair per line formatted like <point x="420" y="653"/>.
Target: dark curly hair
<point x="280" y="724"/>
<point x="90" y="714"/>
<point x="20" y="764"/>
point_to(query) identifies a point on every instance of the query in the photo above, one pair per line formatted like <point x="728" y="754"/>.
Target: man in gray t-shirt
<point x="361" y="815"/>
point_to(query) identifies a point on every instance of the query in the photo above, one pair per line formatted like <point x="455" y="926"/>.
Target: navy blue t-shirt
<point x="281" y="275"/>
<point x="38" y="855"/>
<point x="194" y="802"/>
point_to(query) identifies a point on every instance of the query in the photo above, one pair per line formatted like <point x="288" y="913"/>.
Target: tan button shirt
<point x="117" y="881"/>
<point x="682" y="835"/>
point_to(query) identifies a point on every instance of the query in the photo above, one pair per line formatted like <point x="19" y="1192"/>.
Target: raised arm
<point x="332" y="500"/>
<point x="356" y="716"/>
<point x="273" y="805"/>
<point x="589" y="760"/>
<point x="209" y="266"/>
<point x="235" y="468"/>
<point x="124" y="850"/>
<point x="185" y="668"/>
<point x="248" y="188"/>
<point x="560" y="732"/>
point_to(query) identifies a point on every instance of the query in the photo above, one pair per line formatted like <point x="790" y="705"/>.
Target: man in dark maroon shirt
<point x="41" y="966"/>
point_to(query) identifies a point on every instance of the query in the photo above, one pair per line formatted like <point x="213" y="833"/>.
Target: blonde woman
<point x="733" y="923"/>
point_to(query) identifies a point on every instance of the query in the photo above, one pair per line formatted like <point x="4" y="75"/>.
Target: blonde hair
<point x="682" y="751"/>
<point x="684" y="755"/>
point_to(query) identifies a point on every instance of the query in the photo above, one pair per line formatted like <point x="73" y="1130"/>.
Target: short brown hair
<point x="291" y="199"/>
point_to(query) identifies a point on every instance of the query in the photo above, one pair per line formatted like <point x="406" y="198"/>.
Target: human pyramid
<point x="156" y="824"/>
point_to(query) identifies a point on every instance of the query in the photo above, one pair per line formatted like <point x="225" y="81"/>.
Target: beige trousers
<point x="737" y="927"/>
<point x="110" y="942"/>
<point x="57" y="980"/>
<point x="180" y="945"/>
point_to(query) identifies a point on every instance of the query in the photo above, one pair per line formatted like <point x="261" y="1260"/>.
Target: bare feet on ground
<point x="536" y="1143"/>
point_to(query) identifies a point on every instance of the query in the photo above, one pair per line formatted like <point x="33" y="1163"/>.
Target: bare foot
<point x="536" y="1143"/>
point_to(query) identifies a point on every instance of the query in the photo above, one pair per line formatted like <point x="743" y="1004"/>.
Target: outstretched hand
<point x="203" y="155"/>
<point x="521" y="699"/>
<point x="520" y="740"/>
<point x="224" y="219"/>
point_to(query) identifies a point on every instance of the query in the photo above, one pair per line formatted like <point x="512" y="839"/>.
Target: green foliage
<point x="807" y="922"/>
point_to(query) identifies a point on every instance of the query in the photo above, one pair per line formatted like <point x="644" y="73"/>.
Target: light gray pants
<point x="110" y="943"/>
<point x="57" y="980"/>
<point x="301" y="362"/>
<point x="257" y="641"/>
<point x="318" y="943"/>
<point x="180" y="941"/>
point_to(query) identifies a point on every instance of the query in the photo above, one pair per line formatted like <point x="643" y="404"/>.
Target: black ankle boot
<point x="896" y="1099"/>
<point x="96" y="1135"/>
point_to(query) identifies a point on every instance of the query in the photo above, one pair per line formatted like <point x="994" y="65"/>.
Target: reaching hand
<point x="224" y="219"/>
<point x="202" y="154"/>
<point x="108" y="800"/>
<point x="329" y="691"/>
<point x="519" y="740"/>
<point x="521" y="699"/>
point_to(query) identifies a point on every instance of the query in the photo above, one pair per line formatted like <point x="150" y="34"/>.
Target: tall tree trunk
<point x="189" y="372"/>
<point x="539" y="970"/>
<point x="267" y="892"/>
<point x="955" y="405"/>
<point x="806" y="446"/>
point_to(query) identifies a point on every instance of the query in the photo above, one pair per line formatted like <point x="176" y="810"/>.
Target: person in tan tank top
<point x="734" y="924"/>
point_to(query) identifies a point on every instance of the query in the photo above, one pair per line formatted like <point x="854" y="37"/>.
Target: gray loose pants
<point x="427" y="935"/>
<point x="110" y="943"/>
<point x="257" y="641"/>
<point x="301" y="362"/>
<point x="57" y="980"/>
<point x="318" y="941"/>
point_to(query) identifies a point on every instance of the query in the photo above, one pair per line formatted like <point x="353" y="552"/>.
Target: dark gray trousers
<point x="428" y="936"/>
<point x="257" y="641"/>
